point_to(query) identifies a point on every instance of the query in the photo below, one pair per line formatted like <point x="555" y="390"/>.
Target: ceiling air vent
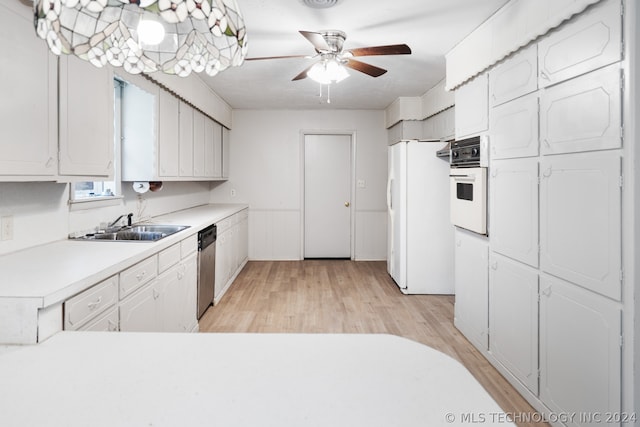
<point x="320" y="4"/>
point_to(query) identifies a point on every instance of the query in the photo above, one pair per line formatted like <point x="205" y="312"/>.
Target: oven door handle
<point x="463" y="177"/>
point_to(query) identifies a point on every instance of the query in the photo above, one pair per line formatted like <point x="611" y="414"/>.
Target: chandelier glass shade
<point x="171" y="36"/>
<point x="328" y="71"/>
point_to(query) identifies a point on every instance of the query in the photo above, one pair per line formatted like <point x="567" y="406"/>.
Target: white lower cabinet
<point x="513" y="318"/>
<point x="580" y="351"/>
<point x="513" y="207"/>
<point x="179" y="298"/>
<point x="231" y="250"/>
<point x="141" y="311"/>
<point x="158" y="294"/>
<point x="580" y="220"/>
<point x="471" y="311"/>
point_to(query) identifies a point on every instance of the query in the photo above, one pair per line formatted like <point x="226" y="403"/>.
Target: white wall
<point x="41" y="214"/>
<point x="266" y="172"/>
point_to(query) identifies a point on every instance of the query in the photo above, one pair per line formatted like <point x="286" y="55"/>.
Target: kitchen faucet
<point x="119" y="218"/>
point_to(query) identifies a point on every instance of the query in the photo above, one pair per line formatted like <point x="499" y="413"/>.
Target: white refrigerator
<point x="420" y="234"/>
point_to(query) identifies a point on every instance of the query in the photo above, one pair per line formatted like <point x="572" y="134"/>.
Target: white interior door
<point x="327" y="196"/>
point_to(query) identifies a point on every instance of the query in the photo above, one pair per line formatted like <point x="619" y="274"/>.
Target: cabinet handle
<point x="141" y="275"/>
<point x="544" y="75"/>
<point x="109" y="165"/>
<point x="112" y="326"/>
<point x="459" y="243"/>
<point x="494" y="265"/>
<point x="547" y="292"/>
<point x="547" y="173"/>
<point x="156" y="294"/>
<point x="95" y="304"/>
<point x="49" y="162"/>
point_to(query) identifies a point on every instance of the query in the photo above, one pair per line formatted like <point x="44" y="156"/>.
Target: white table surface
<point x="146" y="379"/>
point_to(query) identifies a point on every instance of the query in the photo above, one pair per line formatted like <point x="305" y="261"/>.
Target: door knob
<point x="347" y="204"/>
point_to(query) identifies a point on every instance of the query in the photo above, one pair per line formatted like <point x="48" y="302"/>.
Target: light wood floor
<point x="349" y="297"/>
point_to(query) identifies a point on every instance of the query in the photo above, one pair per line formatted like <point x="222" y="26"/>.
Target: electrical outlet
<point x="6" y="227"/>
<point x="233" y="192"/>
<point x="361" y="183"/>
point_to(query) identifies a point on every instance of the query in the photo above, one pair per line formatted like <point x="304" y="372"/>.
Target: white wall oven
<point x="468" y="185"/>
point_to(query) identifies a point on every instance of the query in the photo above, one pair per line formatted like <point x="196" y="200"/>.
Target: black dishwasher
<point x="206" y="268"/>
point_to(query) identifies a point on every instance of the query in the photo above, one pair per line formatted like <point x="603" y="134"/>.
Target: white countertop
<point x="56" y="271"/>
<point x="128" y="379"/>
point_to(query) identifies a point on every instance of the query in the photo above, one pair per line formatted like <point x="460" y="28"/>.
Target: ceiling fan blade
<point x="369" y="69"/>
<point x="260" y="58"/>
<point x="303" y="74"/>
<point x="393" y="49"/>
<point x="317" y="41"/>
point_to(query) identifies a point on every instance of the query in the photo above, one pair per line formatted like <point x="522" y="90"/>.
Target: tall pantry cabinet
<point x="555" y="197"/>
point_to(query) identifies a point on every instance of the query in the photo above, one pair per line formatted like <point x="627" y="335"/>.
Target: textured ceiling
<point x="430" y="27"/>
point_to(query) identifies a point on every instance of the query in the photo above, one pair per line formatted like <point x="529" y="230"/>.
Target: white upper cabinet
<point x="580" y="352"/>
<point x="580" y="220"/>
<point x="514" y="209"/>
<point x="472" y="107"/>
<point x="29" y="112"/>
<point x="513" y="318"/>
<point x="86" y="100"/>
<point x="582" y="114"/>
<point x="213" y="149"/>
<point x="185" y="140"/>
<point x="515" y="77"/>
<point x="471" y="271"/>
<point x="168" y="135"/>
<point x="592" y="40"/>
<point x="198" y="144"/>
<point x="226" y="146"/>
<point x="514" y="128"/>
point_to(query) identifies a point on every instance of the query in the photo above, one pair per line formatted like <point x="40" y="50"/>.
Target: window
<point x="105" y="192"/>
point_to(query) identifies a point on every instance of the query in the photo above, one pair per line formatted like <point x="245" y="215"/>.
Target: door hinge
<point x="621" y="181"/>
<point x="621" y="275"/>
<point x="621" y="341"/>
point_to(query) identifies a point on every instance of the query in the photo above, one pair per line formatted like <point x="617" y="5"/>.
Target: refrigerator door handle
<point x="389" y="193"/>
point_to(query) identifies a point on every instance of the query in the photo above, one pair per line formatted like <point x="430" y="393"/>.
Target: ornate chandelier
<point x="171" y="36"/>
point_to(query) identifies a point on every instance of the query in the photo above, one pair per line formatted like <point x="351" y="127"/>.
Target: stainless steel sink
<point x="136" y="233"/>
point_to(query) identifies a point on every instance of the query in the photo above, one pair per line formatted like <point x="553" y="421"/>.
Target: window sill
<point x="94" y="202"/>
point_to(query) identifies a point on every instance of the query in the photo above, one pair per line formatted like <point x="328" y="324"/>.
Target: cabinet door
<point x="186" y="140"/>
<point x="514" y="209"/>
<point x="222" y="263"/>
<point x="243" y="236"/>
<point x="513" y="318"/>
<point x="472" y="288"/>
<point x="515" y="77"/>
<point x="226" y="153"/>
<point x="107" y="322"/>
<point x="86" y="118"/>
<point x="580" y="220"/>
<point x="592" y="40"/>
<point x="179" y="304"/>
<point x="582" y="114"/>
<point x="198" y="144"/>
<point x="28" y="113"/>
<point x="141" y="312"/>
<point x="580" y="336"/>
<point x="514" y="128"/>
<point x="213" y="149"/>
<point x="472" y="107"/>
<point x="168" y="135"/>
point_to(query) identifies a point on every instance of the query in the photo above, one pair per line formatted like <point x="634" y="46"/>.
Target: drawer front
<point x="223" y="225"/>
<point x="189" y="246"/>
<point x="106" y="322"/>
<point x="168" y="258"/>
<point x="136" y="276"/>
<point x="90" y="303"/>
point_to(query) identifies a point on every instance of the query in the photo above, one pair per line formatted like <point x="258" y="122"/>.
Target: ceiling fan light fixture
<point x="170" y="36"/>
<point x="328" y="71"/>
<point x="320" y="4"/>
